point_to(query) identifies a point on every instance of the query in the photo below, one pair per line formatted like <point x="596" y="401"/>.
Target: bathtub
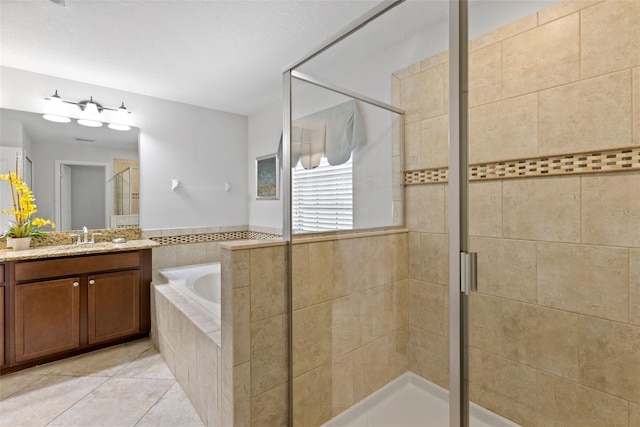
<point x="200" y="283"/>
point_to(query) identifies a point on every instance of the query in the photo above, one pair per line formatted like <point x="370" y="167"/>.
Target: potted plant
<point x="24" y="225"/>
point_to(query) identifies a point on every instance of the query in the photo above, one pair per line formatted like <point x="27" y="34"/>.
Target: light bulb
<point x="90" y="116"/>
<point x="55" y="110"/>
<point x="122" y="120"/>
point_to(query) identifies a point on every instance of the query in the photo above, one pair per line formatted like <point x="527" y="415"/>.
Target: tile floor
<point x="125" y="385"/>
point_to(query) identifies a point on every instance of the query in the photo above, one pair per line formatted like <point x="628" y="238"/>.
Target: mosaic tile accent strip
<point x="620" y="160"/>
<point x="214" y="237"/>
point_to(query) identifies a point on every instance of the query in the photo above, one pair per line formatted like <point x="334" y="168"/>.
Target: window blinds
<point x="323" y="197"/>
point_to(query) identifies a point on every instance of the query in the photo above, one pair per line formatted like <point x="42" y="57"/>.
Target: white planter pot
<point x="20" y="243"/>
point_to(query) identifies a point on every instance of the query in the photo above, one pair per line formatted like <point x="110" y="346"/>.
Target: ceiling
<point x="225" y="55"/>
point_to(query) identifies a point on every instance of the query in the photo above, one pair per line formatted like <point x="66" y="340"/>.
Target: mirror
<point x="80" y="176"/>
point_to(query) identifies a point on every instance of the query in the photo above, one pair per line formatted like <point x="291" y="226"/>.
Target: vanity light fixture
<point x="91" y="115"/>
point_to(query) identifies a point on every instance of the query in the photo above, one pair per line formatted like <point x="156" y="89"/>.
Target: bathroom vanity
<point x="62" y="301"/>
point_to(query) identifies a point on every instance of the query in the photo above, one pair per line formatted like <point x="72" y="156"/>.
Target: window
<point x="323" y="197"/>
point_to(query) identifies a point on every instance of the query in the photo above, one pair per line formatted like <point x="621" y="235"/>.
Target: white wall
<point x="201" y="147"/>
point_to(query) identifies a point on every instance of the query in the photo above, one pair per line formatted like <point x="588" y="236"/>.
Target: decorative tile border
<point x="619" y="160"/>
<point x="214" y="237"/>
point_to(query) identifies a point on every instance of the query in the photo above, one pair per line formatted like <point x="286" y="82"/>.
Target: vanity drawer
<point x="35" y="270"/>
<point x="2" y="273"/>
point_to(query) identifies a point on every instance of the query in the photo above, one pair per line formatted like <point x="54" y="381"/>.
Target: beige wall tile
<point x="399" y="247"/>
<point x="636" y="106"/>
<point x="241" y="325"/>
<point x="207" y="365"/>
<point x="542" y="209"/>
<point x="610" y="357"/>
<point x="435" y="60"/>
<point x="270" y="408"/>
<point x="485" y="75"/>
<point x="504" y="130"/>
<point x="485" y="209"/>
<point x="591" y="280"/>
<point x="268" y="281"/>
<point x="485" y="322"/>
<point x="435" y="142"/>
<point x="503" y="386"/>
<point x="425" y="208"/>
<point x="415" y="261"/>
<point x="634" y="275"/>
<point x="563" y="8"/>
<point x="528" y="64"/>
<point x="375" y="358"/>
<point x="412" y="145"/>
<point x="320" y="281"/>
<point x="611" y="209"/>
<point x="342" y="383"/>
<point x="301" y="399"/>
<point x="398" y="357"/>
<point x="300" y="275"/>
<point x="241" y="395"/>
<point x="429" y="355"/>
<point x="371" y="262"/>
<point x="506" y="268"/>
<point x="541" y="338"/>
<point x="505" y="31"/>
<point x="434" y="258"/>
<point x="343" y="272"/>
<point x="565" y="403"/>
<point x="240" y="268"/>
<point x="268" y="354"/>
<point x="422" y="94"/>
<point x="592" y="114"/>
<point x="376" y="313"/>
<point x="427" y="307"/>
<point x="400" y="291"/>
<point x="407" y="71"/>
<point x="610" y="37"/>
<point x="311" y="337"/>
<point x="634" y="415"/>
<point x="358" y="375"/>
<point x="345" y="334"/>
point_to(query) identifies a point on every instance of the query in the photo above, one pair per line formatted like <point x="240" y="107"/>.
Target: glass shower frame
<point x="458" y="192"/>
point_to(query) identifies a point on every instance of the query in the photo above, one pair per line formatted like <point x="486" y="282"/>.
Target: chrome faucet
<point x="85" y="234"/>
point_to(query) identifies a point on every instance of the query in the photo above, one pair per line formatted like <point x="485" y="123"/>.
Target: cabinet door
<point x="2" y="326"/>
<point x="114" y="309"/>
<point x="47" y="318"/>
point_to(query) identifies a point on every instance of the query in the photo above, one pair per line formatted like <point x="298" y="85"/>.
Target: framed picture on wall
<point x="267" y="177"/>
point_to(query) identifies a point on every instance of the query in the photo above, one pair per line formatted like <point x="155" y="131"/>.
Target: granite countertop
<point x="70" y="250"/>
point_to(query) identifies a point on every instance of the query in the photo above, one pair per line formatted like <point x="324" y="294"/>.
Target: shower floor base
<point x="410" y="401"/>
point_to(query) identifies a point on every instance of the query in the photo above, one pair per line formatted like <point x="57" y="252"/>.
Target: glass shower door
<point x="554" y="216"/>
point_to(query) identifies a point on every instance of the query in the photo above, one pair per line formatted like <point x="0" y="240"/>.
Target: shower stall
<point x="486" y="161"/>
<point x="126" y="197"/>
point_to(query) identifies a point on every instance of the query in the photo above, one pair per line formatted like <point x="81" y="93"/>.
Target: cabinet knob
<point x="91" y="282"/>
<point x="76" y="284"/>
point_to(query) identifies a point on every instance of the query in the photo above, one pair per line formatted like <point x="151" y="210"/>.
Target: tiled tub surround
<point x="254" y="334"/>
<point x="556" y="323"/>
<point x="189" y="341"/>
<point x="197" y="245"/>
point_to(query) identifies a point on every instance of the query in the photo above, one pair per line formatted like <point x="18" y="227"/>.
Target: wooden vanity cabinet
<point x="65" y="306"/>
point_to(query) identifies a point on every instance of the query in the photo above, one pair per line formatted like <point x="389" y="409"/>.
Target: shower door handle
<point x="468" y="272"/>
